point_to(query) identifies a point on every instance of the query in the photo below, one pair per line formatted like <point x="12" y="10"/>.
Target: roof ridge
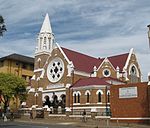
<point x="82" y="53"/>
<point x="116" y="55"/>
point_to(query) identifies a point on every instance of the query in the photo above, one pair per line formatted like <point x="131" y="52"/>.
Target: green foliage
<point x="2" y="26"/>
<point x="12" y="86"/>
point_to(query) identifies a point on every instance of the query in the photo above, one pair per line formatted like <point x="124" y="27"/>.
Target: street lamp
<point x="149" y="34"/>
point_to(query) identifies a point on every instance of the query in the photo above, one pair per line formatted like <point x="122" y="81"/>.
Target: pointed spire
<point x="46" y="27"/>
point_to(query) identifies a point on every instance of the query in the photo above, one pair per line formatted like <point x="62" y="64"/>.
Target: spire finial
<point x="46" y="27"/>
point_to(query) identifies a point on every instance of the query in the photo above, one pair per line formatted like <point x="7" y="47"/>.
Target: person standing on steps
<point x="84" y="116"/>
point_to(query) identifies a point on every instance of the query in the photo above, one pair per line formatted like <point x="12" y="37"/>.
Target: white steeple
<point x="45" y="40"/>
<point x="46" y="27"/>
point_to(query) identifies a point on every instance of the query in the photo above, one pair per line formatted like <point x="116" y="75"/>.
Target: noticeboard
<point x="128" y="92"/>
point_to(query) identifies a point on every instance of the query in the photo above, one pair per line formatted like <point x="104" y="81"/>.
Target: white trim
<point x="38" y="79"/>
<point x="79" y="116"/>
<point x="51" y="67"/>
<point x="86" y="92"/>
<point x="73" y="94"/>
<point x="106" y="60"/>
<point x="78" y="92"/>
<point x="99" y="103"/>
<point x="108" y="92"/>
<point x="33" y="77"/>
<point x="128" y="59"/>
<point x="100" y="92"/>
<point x="131" y="118"/>
<point x="76" y="103"/>
<point x="38" y="70"/>
<point x="41" y="52"/>
<point x="137" y="72"/>
<point x="39" y="59"/>
<point x="54" y="90"/>
<point x="88" y="87"/>
<point x="68" y="85"/>
<point x="90" y="107"/>
<point x="82" y="73"/>
<point x="63" y="53"/>
<point x="102" y="117"/>
<point x="106" y="69"/>
<point x="52" y="115"/>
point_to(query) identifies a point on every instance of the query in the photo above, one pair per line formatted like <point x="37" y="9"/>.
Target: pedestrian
<point x="11" y="116"/>
<point x="31" y="115"/>
<point x="84" y="116"/>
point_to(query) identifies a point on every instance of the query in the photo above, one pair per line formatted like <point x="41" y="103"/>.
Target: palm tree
<point x="2" y="26"/>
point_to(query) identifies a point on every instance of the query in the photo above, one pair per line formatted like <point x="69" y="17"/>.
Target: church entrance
<point x="57" y="103"/>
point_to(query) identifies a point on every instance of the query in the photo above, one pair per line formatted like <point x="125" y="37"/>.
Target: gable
<point x="119" y="60"/>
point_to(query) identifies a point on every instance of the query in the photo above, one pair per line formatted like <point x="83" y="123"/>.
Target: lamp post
<point x="149" y="34"/>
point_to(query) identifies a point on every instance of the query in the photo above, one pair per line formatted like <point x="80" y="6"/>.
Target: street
<point x="9" y="124"/>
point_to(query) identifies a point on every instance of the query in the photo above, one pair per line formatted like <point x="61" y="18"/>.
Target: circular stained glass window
<point x="55" y="70"/>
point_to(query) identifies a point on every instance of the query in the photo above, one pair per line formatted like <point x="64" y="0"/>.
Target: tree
<point x="11" y="86"/>
<point x="2" y="26"/>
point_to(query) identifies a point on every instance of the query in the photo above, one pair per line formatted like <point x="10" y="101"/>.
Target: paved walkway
<point x="88" y="124"/>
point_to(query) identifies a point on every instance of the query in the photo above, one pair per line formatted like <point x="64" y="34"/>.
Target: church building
<point x="69" y="81"/>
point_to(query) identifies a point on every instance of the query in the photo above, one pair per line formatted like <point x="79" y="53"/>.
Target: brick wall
<point x="133" y="108"/>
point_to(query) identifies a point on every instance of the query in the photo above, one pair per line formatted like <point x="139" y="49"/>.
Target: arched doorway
<point x="47" y="101"/>
<point x="55" y="104"/>
<point x="62" y="103"/>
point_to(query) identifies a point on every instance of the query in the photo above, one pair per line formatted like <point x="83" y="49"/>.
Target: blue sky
<point x="95" y="27"/>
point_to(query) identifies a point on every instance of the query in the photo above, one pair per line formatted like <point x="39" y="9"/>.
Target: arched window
<point x="78" y="98"/>
<point x="99" y="94"/>
<point x="75" y="100"/>
<point x="88" y="98"/>
<point x="44" y="40"/>
<point x="87" y="94"/>
<point x="49" y="40"/>
<point x="134" y="73"/>
<point x="108" y="97"/>
<point x="41" y="42"/>
<point x="99" y="97"/>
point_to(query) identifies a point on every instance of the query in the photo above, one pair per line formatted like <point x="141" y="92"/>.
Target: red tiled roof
<point x="119" y="60"/>
<point x="81" y="61"/>
<point x="89" y="81"/>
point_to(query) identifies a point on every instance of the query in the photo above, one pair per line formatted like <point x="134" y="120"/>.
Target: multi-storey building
<point x="18" y="65"/>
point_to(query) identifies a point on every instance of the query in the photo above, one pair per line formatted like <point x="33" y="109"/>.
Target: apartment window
<point x="24" y="66"/>
<point x="1" y="63"/>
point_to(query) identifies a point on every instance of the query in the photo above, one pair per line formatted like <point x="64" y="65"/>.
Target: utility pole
<point x="149" y="34"/>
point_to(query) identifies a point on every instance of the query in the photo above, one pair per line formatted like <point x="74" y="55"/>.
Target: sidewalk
<point x="78" y="123"/>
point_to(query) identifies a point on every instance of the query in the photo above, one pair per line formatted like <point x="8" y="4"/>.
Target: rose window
<point x="55" y="70"/>
<point x="106" y="73"/>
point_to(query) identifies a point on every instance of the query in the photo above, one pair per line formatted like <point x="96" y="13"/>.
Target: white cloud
<point x="97" y="27"/>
